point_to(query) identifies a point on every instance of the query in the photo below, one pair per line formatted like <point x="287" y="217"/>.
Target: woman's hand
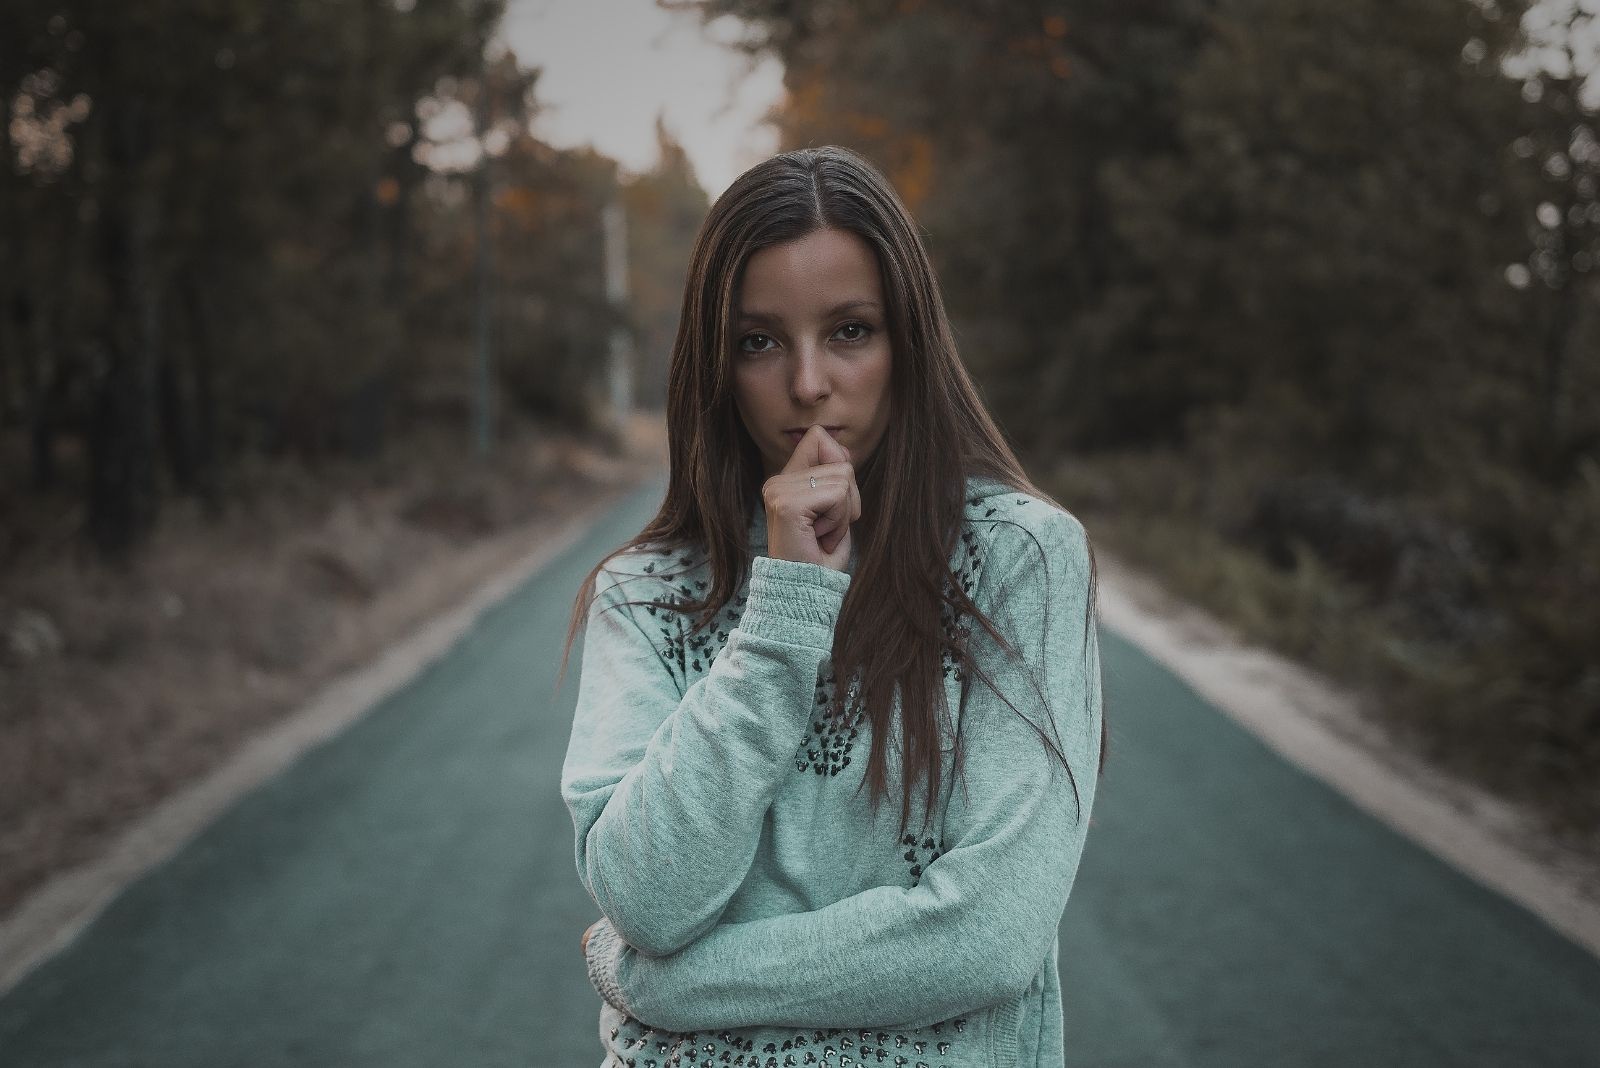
<point x="812" y="524"/>
<point x="583" y="943"/>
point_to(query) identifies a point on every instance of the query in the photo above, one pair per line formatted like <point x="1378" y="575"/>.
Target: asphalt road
<point x="404" y="895"/>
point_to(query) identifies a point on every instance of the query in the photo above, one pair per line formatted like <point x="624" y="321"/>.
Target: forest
<point x="237" y="228"/>
<point x="263" y="264"/>
<point x="1294" y="302"/>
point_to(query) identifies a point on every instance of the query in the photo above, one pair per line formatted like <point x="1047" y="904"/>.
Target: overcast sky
<point x="609" y="66"/>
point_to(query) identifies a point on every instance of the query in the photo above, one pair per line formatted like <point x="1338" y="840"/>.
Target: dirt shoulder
<point x="1327" y="731"/>
<point x="119" y="688"/>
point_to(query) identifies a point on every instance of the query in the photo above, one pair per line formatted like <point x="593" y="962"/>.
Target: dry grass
<point x="1420" y="693"/>
<point x="119" y="686"/>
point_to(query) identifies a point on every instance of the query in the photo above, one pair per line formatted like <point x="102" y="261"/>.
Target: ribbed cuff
<point x="600" y="956"/>
<point x="1003" y="1042"/>
<point x="793" y="601"/>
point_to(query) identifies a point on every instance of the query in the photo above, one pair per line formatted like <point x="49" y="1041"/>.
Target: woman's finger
<point x="810" y="507"/>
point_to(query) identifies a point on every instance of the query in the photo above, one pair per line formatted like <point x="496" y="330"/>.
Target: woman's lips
<point x="794" y="436"/>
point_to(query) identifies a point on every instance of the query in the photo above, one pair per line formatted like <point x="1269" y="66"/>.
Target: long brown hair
<point x="889" y="627"/>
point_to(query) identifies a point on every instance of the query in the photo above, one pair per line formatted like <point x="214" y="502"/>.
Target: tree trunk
<point x="122" y="482"/>
<point x="206" y="445"/>
<point x="177" y="437"/>
<point x="1556" y="404"/>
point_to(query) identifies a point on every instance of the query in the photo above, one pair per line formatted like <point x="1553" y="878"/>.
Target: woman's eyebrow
<point x="753" y="316"/>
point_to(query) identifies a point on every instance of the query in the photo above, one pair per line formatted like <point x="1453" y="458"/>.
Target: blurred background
<point x="309" y="308"/>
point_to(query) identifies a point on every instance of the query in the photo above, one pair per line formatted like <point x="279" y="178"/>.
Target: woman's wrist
<point x="794" y="601"/>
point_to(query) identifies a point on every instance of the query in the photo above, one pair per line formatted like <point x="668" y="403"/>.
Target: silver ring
<point x="813" y="481"/>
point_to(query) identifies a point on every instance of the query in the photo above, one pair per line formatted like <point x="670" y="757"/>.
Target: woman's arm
<point x="979" y="924"/>
<point x="667" y="793"/>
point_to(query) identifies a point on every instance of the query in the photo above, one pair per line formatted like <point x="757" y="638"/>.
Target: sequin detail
<point x="639" y="1046"/>
<point x="920" y="852"/>
<point x="966" y="568"/>
<point x="689" y="655"/>
<point x="831" y="734"/>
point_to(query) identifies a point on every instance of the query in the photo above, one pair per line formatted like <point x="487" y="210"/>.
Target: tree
<point x="1561" y="147"/>
<point x="209" y="203"/>
<point x="1004" y="125"/>
<point x="665" y="206"/>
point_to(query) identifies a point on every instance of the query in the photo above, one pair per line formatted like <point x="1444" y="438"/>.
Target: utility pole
<point x="621" y="349"/>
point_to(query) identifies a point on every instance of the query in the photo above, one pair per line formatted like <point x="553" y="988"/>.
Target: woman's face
<point x="811" y="345"/>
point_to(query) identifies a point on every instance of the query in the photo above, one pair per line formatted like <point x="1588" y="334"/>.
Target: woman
<point x="840" y="507"/>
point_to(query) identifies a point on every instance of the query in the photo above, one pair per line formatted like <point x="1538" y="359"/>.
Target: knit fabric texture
<point x="756" y="910"/>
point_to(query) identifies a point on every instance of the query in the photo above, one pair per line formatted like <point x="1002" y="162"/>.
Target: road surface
<point x="404" y="895"/>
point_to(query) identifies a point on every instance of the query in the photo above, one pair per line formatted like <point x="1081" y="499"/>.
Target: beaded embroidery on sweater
<point x="718" y="769"/>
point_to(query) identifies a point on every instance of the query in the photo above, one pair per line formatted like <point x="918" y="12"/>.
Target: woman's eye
<point x="854" y="331"/>
<point x="754" y="343"/>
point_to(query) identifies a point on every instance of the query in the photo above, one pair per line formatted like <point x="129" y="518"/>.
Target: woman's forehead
<point x="823" y="271"/>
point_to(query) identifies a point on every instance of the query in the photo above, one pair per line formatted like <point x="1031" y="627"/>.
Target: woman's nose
<point x="808" y="381"/>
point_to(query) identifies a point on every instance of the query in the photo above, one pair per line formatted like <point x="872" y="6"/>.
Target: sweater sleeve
<point x="982" y="919"/>
<point x="668" y="792"/>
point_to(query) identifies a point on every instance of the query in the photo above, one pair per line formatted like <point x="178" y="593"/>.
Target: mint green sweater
<point x="756" y="912"/>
